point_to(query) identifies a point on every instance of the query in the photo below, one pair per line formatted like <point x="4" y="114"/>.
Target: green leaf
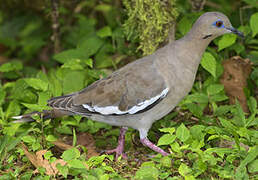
<point x="36" y="107"/>
<point x="214" y="89"/>
<point x="222" y="110"/>
<point x="252" y="3"/>
<point x="184" y="25"/>
<point x="62" y="169"/>
<point x="73" y="64"/>
<point x="198" y="97"/>
<point x="76" y="163"/>
<point x="252" y="104"/>
<point x="227" y="124"/>
<point x="103" y="60"/>
<point x="11" y="66"/>
<point x="196" y="109"/>
<point x="70" y="154"/>
<point x="254" y="23"/>
<point x="89" y="62"/>
<point x="226" y="41"/>
<point x="166" y="139"/>
<point x="209" y="63"/>
<point x="90" y="46"/>
<point x="71" y="54"/>
<point x="253" y="166"/>
<point x="184" y="170"/>
<point x="218" y="97"/>
<point x="55" y="86"/>
<point x="147" y="172"/>
<point x="252" y="154"/>
<point x="104" y="32"/>
<point x="13" y="109"/>
<point x="2" y="95"/>
<point x="182" y="133"/>
<point x="29" y="139"/>
<point x="73" y="81"/>
<point x="37" y="84"/>
<point x="168" y="130"/>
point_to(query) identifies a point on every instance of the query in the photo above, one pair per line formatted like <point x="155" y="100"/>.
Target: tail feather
<point x="29" y="117"/>
<point x="46" y="114"/>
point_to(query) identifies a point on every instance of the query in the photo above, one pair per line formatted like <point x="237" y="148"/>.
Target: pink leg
<point x="147" y="142"/>
<point x="120" y="147"/>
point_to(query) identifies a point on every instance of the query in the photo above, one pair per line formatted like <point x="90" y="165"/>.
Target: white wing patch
<point x="115" y="110"/>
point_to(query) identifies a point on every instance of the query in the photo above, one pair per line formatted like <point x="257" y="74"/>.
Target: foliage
<point x="150" y="21"/>
<point x="207" y="137"/>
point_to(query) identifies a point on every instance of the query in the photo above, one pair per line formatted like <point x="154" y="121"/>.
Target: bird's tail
<point x="46" y="114"/>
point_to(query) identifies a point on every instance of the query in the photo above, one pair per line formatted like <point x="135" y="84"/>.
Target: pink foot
<point x="120" y="147"/>
<point x="147" y="142"/>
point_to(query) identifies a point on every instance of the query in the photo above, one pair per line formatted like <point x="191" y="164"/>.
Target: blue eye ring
<point x="218" y="24"/>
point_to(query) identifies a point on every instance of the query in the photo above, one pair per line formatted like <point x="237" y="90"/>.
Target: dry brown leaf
<point x="38" y="161"/>
<point x="62" y="145"/>
<point x="84" y="139"/>
<point x="234" y="79"/>
<point x="87" y="140"/>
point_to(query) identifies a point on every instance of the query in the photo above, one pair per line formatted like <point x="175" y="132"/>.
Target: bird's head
<point x="213" y="24"/>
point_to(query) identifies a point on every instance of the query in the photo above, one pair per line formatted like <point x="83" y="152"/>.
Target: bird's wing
<point x="132" y="89"/>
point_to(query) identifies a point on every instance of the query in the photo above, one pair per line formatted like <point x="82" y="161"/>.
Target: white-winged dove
<point x="147" y="89"/>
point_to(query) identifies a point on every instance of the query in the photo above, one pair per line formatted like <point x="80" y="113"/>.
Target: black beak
<point x="235" y="31"/>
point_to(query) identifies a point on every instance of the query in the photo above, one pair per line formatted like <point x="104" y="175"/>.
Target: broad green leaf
<point x="62" y="169"/>
<point x="89" y="62"/>
<point x="70" y="154"/>
<point x="90" y="46"/>
<point x="11" y="66"/>
<point x="254" y="23"/>
<point x="73" y="81"/>
<point x="51" y="138"/>
<point x="196" y="109"/>
<point x="184" y="170"/>
<point x="166" y="139"/>
<point x="55" y="85"/>
<point x="22" y="92"/>
<point x="43" y="97"/>
<point x="209" y="63"/>
<point x="214" y="89"/>
<point x="37" y="84"/>
<point x="13" y="109"/>
<point x="71" y="54"/>
<point x="197" y="131"/>
<point x="182" y="133"/>
<point x="226" y="41"/>
<point x="73" y="64"/>
<point x="103" y="60"/>
<point x="184" y="25"/>
<point x="253" y="166"/>
<point x="218" y="97"/>
<point x="104" y="32"/>
<point x="198" y="97"/>
<point x="168" y="130"/>
<point x="76" y="163"/>
<point x="166" y="161"/>
<point x="147" y="172"/>
<point x="29" y="139"/>
<point x="36" y="107"/>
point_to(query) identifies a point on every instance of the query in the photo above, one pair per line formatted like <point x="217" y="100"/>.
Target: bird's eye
<point x="219" y="24"/>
